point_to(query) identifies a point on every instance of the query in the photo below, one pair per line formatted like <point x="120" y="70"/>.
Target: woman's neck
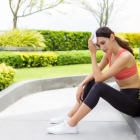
<point x="116" y="49"/>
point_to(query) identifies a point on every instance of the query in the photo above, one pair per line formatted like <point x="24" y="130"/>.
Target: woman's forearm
<point x="87" y="79"/>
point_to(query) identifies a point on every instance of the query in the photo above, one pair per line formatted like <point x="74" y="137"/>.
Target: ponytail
<point x="124" y="44"/>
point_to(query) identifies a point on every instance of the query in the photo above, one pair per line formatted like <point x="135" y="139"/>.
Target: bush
<point x="65" y="41"/>
<point x="132" y="38"/>
<point x="76" y="57"/>
<point x="22" y="38"/>
<point x="38" y="59"/>
<point x="6" y="75"/>
<point x="25" y="59"/>
<point x="11" y="59"/>
<point x="138" y="64"/>
<point x="32" y="59"/>
<point x="43" y="59"/>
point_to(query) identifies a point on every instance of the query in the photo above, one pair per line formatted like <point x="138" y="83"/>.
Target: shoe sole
<point x="56" y="122"/>
<point x="59" y="133"/>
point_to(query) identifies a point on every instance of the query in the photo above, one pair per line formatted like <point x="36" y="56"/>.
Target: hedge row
<point x="6" y="75"/>
<point x="57" y="40"/>
<point x="32" y="59"/>
<point x="66" y="41"/>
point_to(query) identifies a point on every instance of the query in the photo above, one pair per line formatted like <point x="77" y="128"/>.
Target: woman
<point x="122" y="66"/>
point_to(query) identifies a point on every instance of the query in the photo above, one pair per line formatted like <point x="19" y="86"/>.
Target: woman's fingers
<point x="78" y="98"/>
<point x="82" y="94"/>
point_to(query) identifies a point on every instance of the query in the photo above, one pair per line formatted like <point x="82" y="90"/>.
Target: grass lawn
<point x="55" y="71"/>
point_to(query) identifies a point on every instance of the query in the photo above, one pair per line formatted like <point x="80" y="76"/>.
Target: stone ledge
<point x="134" y="123"/>
<point x="18" y="90"/>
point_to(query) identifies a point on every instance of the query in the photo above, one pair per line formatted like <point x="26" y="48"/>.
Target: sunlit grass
<point x="55" y="71"/>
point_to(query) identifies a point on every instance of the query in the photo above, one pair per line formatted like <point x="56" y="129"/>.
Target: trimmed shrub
<point x="38" y="59"/>
<point x="6" y="75"/>
<point x="76" y="57"/>
<point x="44" y="59"/>
<point x="132" y="38"/>
<point x="65" y="41"/>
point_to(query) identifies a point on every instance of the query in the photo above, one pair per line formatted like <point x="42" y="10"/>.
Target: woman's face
<point x="104" y="44"/>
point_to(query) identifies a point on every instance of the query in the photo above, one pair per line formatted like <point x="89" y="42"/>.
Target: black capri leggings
<point x="126" y="100"/>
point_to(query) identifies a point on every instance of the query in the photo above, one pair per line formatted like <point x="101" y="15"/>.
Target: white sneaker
<point x="60" y="119"/>
<point x="63" y="128"/>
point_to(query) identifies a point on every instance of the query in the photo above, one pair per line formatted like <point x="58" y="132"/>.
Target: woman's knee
<point x="95" y="86"/>
<point x="88" y="86"/>
<point x="99" y="83"/>
<point x="98" y="86"/>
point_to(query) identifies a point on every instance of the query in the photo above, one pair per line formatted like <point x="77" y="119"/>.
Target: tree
<point x="30" y="7"/>
<point x="104" y="12"/>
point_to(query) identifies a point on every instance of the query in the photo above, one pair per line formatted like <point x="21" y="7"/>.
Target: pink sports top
<point x="126" y="72"/>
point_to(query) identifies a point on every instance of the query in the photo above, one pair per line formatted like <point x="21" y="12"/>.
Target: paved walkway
<point x="28" y="119"/>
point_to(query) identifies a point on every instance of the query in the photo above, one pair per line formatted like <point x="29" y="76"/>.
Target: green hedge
<point x="28" y="59"/>
<point x="32" y="59"/>
<point x="11" y="59"/>
<point x="6" y="75"/>
<point x="57" y="40"/>
<point x="65" y="41"/>
<point x="76" y="57"/>
<point x="132" y="38"/>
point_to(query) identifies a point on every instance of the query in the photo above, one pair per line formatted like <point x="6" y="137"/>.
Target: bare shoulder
<point x="131" y="59"/>
<point x="128" y="55"/>
<point x="123" y="55"/>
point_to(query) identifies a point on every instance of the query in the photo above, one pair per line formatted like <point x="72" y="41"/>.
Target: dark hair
<point x="106" y="32"/>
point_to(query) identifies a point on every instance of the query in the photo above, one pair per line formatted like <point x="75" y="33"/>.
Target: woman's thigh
<point x="116" y="98"/>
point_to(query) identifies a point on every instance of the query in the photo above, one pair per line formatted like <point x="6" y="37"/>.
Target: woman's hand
<point x="80" y="92"/>
<point x="91" y="46"/>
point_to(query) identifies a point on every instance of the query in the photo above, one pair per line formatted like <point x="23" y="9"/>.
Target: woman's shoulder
<point x="128" y="54"/>
<point x="130" y="58"/>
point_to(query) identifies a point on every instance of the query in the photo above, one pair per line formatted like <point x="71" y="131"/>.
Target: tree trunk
<point x="15" y="22"/>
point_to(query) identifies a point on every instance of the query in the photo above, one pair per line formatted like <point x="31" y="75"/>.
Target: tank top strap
<point x="122" y="50"/>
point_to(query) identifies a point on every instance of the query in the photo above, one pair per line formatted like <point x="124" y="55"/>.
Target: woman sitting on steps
<point x="122" y="66"/>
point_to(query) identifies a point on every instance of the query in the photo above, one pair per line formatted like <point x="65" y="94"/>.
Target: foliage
<point x="22" y="38"/>
<point x="6" y="75"/>
<point x="65" y="41"/>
